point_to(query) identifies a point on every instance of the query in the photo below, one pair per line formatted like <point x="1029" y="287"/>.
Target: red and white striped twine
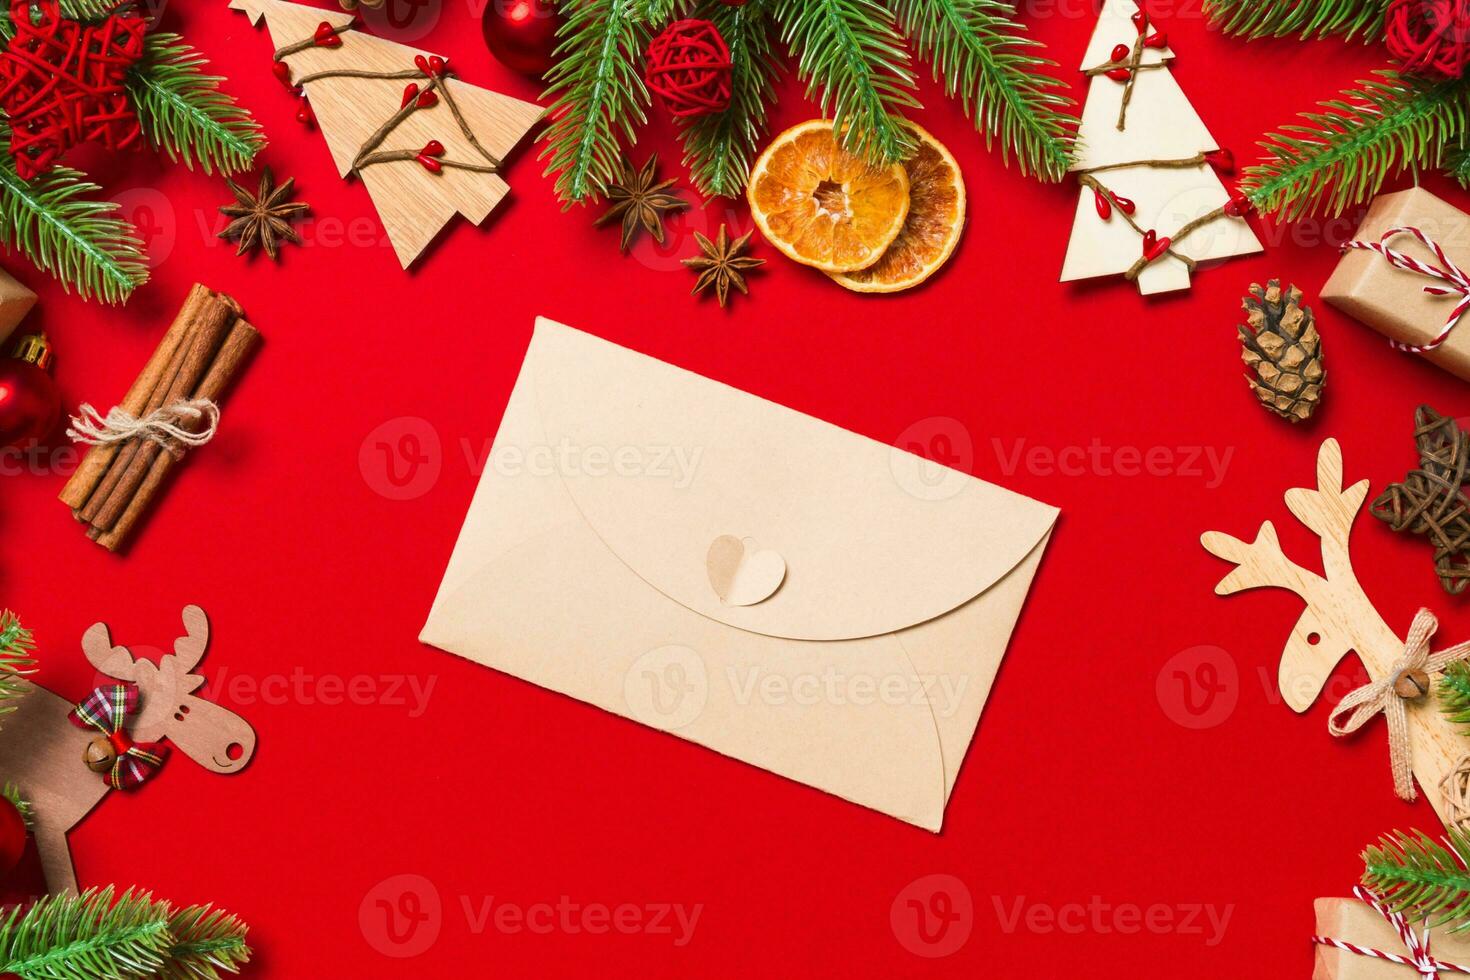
<point x="1457" y="283"/>
<point x="1417" y="946"/>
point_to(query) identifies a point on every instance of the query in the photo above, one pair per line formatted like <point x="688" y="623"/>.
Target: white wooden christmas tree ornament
<point x="423" y="158"/>
<point x="1151" y="205"/>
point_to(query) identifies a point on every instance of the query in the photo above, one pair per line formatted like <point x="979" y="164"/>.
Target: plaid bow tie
<point x="107" y="710"/>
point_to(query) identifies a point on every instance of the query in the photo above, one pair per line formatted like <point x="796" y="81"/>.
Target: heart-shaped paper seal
<point x="741" y="575"/>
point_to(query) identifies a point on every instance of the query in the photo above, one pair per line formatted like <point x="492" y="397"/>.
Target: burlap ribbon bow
<point x="107" y="710"/>
<point x="1355" y="710"/>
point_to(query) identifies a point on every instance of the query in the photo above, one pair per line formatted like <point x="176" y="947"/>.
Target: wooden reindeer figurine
<point x="45" y="754"/>
<point x="1339" y="617"/>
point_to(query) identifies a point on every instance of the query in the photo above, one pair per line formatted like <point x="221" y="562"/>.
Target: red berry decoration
<point x="326" y="36"/>
<point x="1118" y="74"/>
<point x="12" y="836"/>
<point x="427" y="157"/>
<point x="29" y="401"/>
<point x="1125" y="205"/>
<point x="1239" y="206"/>
<point x="1430" y="37"/>
<point x="521" y="34"/>
<point x="1222" y="160"/>
<point x="1140" y="21"/>
<point x="1120" y="52"/>
<point x="1104" y="209"/>
<point x="689" y="68"/>
<point x="282" y="71"/>
<point x="1156" y="40"/>
<point x="64" y="83"/>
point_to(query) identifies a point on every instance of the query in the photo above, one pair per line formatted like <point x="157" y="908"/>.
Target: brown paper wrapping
<point x="15" y="302"/>
<point x="1356" y="922"/>
<point x="1392" y="301"/>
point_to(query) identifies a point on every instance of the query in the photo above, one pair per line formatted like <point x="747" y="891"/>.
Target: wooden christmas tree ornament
<point x="1424" y="743"/>
<point x="1150" y="206"/>
<point x="426" y="145"/>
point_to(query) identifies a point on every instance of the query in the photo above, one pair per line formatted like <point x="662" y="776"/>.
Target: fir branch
<point x="1420" y="877"/>
<point x="657" y="12"/>
<point x="1454" y="692"/>
<point x="206" y="942"/>
<point x="16" y="661"/>
<point x="718" y="148"/>
<point x="1342" y="157"/>
<point x="596" y="95"/>
<point x="82" y="937"/>
<point x="854" y="62"/>
<point x="22" y="806"/>
<point x="1457" y="163"/>
<point x="81" y="241"/>
<point x="1304" y="18"/>
<point x="979" y="51"/>
<point x="184" y="113"/>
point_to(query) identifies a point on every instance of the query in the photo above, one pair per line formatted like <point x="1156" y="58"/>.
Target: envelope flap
<point x="662" y="462"/>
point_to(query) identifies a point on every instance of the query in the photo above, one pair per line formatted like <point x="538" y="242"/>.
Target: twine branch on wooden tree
<point x="432" y="72"/>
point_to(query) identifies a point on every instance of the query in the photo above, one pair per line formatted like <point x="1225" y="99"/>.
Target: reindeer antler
<point x="190" y="647"/>
<point x="114" y="661"/>
<point x="1338" y="617"/>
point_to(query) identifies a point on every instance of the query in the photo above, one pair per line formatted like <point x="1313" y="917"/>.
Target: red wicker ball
<point x="1430" y="37"/>
<point x="689" y="68"/>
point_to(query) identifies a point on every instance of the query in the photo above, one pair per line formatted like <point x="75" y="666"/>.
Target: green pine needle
<point x="1342" y="157"/>
<point x="719" y="148"/>
<point x="83" y="937"/>
<point x="854" y="63"/>
<point x="184" y="113"/>
<point x="596" y="95"/>
<point x="11" y="792"/>
<point x="979" y="51"/>
<point x="206" y="942"/>
<point x="1457" y="164"/>
<point x="16" y="661"/>
<point x="79" y="240"/>
<point x="1454" y="692"/>
<point x="1303" y="18"/>
<point x="656" y="12"/>
<point x="1420" y="877"/>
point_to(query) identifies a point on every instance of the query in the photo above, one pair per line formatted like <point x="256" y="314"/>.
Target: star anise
<point x="263" y="219"/>
<point x="723" y="264"/>
<point x="640" y="201"/>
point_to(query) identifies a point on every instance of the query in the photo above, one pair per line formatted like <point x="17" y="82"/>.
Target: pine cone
<point x="1281" y="346"/>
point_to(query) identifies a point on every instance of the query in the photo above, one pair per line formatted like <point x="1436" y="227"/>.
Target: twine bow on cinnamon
<point x="1406" y="680"/>
<point x="162" y="425"/>
<point x="1456" y="283"/>
<point x="1418" y="946"/>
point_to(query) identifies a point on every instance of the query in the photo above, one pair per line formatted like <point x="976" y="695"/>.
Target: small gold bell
<point x="1411" y="684"/>
<point x="99" y="755"/>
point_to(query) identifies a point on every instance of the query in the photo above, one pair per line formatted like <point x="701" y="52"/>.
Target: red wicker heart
<point x="64" y="83"/>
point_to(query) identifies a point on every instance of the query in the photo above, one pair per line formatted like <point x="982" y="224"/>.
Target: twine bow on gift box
<point x="1456" y="282"/>
<point x="122" y="762"/>
<point x="1418" y="946"/>
<point x="1407" y="680"/>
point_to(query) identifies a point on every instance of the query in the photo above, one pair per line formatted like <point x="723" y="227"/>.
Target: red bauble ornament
<point x="689" y="68"/>
<point x="521" y="34"/>
<point x="1431" y="37"/>
<point x="12" y="836"/>
<point x="29" y="401"/>
<point x="64" y="83"/>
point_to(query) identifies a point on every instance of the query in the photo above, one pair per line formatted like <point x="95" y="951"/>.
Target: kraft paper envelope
<point x="678" y="552"/>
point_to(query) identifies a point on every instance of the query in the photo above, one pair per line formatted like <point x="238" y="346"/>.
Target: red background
<point x="1079" y="787"/>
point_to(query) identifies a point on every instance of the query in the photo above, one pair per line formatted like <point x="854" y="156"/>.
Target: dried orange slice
<point x="823" y="206"/>
<point x="935" y="219"/>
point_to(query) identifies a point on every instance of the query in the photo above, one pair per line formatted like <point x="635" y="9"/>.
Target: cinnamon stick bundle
<point x="206" y="346"/>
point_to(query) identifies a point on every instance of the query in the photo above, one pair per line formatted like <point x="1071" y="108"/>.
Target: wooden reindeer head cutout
<point x="1339" y="616"/>
<point x="217" y="739"/>
<point x="43" y="750"/>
